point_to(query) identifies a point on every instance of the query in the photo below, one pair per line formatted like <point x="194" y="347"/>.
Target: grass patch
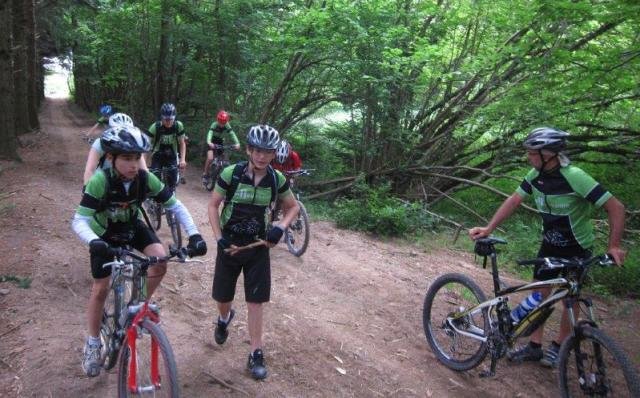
<point x="23" y="283"/>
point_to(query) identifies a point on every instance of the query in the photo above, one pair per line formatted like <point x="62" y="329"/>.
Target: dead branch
<point x="224" y="383"/>
<point x="336" y="190"/>
<point x="15" y="327"/>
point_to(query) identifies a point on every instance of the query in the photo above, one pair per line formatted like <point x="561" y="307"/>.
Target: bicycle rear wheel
<point x="298" y="234"/>
<point x="141" y="372"/>
<point x="592" y="365"/>
<point x="447" y="298"/>
<point x="154" y="211"/>
<point x="174" y="225"/>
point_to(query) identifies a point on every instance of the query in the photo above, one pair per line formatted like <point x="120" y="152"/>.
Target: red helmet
<point x="223" y="117"/>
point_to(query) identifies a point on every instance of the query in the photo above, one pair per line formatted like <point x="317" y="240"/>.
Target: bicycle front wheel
<point x="298" y="234"/>
<point x="174" y="225"/>
<point x="137" y="375"/>
<point x="592" y="365"/>
<point x="455" y="337"/>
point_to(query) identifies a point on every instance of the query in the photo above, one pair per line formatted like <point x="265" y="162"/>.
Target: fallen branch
<point x="224" y="383"/>
<point x="335" y="190"/>
<point x="14" y="328"/>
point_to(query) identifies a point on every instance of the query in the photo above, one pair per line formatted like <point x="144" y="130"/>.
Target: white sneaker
<point x="91" y="359"/>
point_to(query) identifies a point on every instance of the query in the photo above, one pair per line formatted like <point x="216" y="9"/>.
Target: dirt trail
<point x="351" y="301"/>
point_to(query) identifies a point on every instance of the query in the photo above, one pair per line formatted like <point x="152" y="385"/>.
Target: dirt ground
<point x="352" y="301"/>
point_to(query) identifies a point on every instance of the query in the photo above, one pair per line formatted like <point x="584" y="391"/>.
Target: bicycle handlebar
<point x="300" y="172"/>
<point x="217" y="146"/>
<point x="179" y="255"/>
<point x="604" y="260"/>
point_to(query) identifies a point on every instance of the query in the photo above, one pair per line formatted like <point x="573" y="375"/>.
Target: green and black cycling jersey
<point x="247" y="212"/>
<point x="218" y="133"/>
<point x="565" y="198"/>
<point x="121" y="205"/>
<point x="165" y="139"/>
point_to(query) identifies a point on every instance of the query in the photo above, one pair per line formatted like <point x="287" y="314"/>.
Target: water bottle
<point x="526" y="306"/>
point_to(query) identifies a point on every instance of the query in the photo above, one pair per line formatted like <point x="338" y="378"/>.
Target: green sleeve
<point x="225" y="175"/>
<point x="524" y="190"/>
<point x="152" y="129"/>
<point x="155" y="186"/>
<point x="232" y="136"/>
<point x="181" y="132"/>
<point x="96" y="189"/>
<point x="585" y="185"/>
<point x="209" y="136"/>
<point x="283" y="186"/>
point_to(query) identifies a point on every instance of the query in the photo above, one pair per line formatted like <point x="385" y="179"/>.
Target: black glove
<point x="197" y="246"/>
<point x="224" y="243"/>
<point x="275" y="234"/>
<point x="100" y="248"/>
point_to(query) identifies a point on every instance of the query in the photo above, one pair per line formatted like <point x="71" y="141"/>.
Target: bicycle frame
<point x="564" y="289"/>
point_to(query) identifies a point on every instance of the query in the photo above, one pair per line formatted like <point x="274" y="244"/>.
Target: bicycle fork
<point x="141" y="312"/>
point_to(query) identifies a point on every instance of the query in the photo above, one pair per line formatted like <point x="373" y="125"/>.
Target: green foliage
<point x="374" y="210"/>
<point x="21" y="282"/>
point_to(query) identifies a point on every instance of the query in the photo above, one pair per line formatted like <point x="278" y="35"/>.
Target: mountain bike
<point x="130" y="330"/>
<point x="462" y="326"/>
<point x="218" y="163"/>
<point x="297" y="235"/>
<point x="155" y="210"/>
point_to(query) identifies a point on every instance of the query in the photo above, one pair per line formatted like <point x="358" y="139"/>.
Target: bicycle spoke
<point x="593" y="366"/>
<point x="154" y="366"/>
<point x="445" y="327"/>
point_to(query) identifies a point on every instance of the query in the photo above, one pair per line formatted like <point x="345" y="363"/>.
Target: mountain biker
<point x="286" y="158"/>
<point x="108" y="217"/>
<point x="216" y="136"/>
<point x="565" y="196"/>
<point x="97" y="154"/>
<point x="105" y="111"/>
<point x="243" y="221"/>
<point x="169" y="148"/>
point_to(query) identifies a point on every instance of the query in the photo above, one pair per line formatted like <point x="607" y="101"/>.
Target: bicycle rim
<point x="113" y="318"/>
<point x="592" y="365"/>
<point x="298" y="234"/>
<point x="174" y="225"/>
<point x="448" y="296"/>
<point x="168" y="373"/>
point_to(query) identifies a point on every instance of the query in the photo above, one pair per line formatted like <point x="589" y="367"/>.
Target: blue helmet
<point x="106" y="110"/>
<point x="168" y="111"/>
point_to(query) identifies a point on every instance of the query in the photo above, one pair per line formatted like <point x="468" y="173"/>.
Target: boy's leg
<point x="254" y="315"/>
<point x="157" y="271"/>
<point x="99" y="292"/>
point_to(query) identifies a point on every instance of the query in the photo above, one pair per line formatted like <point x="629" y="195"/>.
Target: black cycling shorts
<point x="143" y="236"/>
<point x="256" y="267"/>
<point x="547" y="250"/>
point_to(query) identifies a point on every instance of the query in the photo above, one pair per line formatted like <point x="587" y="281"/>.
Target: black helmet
<point x="168" y="110"/>
<point x="263" y="136"/>
<point x="546" y="138"/>
<point x="123" y="139"/>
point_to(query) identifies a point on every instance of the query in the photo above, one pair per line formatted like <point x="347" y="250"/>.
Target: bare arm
<point x="92" y="163"/>
<point x="504" y="211"/>
<point x="183" y="153"/>
<point x="214" y="215"/>
<point x="615" y="213"/>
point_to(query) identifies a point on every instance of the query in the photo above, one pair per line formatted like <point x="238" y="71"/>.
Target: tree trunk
<point x="165" y="19"/>
<point x="8" y="139"/>
<point x="19" y="55"/>
<point x="33" y="96"/>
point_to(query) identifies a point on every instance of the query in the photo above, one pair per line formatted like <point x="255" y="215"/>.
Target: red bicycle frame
<point x="132" y="336"/>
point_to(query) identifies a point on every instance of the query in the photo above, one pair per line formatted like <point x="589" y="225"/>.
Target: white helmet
<point x="546" y="138"/>
<point x="120" y="119"/>
<point x="263" y="136"/>
<point x="282" y="153"/>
